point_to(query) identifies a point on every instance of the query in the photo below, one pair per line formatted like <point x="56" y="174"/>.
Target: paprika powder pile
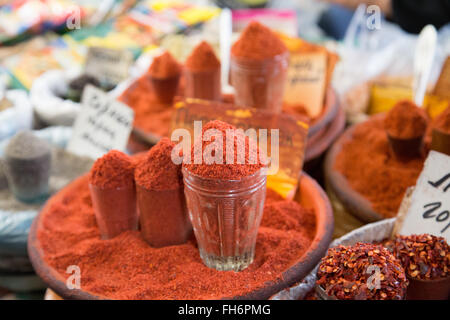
<point x="113" y="170"/>
<point x="164" y="75"/>
<point x="405" y="121"/>
<point x="126" y="267"/>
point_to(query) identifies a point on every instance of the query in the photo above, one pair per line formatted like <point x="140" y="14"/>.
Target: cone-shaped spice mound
<point x="156" y="171"/>
<point x="405" y="121"/>
<point x="258" y="42"/>
<point x="442" y="122"/>
<point x="114" y="170"/>
<point x="202" y="58"/>
<point x="164" y="66"/>
<point x="246" y="160"/>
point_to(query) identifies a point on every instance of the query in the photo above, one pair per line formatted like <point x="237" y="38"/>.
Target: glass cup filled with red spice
<point x="164" y="74"/>
<point x="113" y="194"/>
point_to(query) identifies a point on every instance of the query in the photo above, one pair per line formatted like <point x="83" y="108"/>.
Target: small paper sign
<point x="110" y="66"/>
<point x="306" y="81"/>
<point x="429" y="211"/>
<point x="102" y="124"/>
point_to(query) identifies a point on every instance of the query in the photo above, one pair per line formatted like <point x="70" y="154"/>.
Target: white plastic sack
<point x="18" y="117"/>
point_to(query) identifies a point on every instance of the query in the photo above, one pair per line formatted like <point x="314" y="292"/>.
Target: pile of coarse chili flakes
<point x="424" y="257"/>
<point x="362" y="272"/>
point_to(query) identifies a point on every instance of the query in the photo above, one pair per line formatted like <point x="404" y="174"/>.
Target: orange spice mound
<point x="113" y="170"/>
<point x="373" y="171"/>
<point x="442" y="121"/>
<point x="126" y="267"/>
<point x="202" y="58"/>
<point x="258" y="42"/>
<point x="405" y="120"/>
<point x="164" y="66"/>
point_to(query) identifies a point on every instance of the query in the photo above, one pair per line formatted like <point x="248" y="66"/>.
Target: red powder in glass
<point x="225" y="170"/>
<point x="114" y="170"/>
<point x="442" y="121"/>
<point x="156" y="171"/>
<point x="164" y="66"/>
<point x="405" y="120"/>
<point x="202" y="58"/>
<point x="258" y="42"/>
<point x="126" y="267"/>
<point x="373" y="171"/>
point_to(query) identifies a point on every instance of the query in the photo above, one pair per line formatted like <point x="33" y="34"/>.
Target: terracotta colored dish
<point x="310" y="196"/>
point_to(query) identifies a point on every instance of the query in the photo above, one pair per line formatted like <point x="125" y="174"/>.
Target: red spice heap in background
<point x="114" y="170"/>
<point x="225" y="170"/>
<point x="442" y="121"/>
<point x="371" y="169"/>
<point x="202" y="58"/>
<point x="258" y="42"/>
<point x="126" y="267"/>
<point x="405" y="121"/>
<point x="156" y="171"/>
<point x="344" y="273"/>
<point x="164" y="66"/>
<point x="423" y="256"/>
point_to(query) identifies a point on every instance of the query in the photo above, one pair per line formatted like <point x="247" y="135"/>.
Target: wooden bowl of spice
<point x="293" y="236"/>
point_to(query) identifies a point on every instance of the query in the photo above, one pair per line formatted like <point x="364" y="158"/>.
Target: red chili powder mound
<point x="156" y="171"/>
<point x="225" y="170"/>
<point x="164" y="66"/>
<point x="405" y="120"/>
<point x="202" y="58"/>
<point x="258" y="42"/>
<point x="373" y="171"/>
<point x="442" y="121"/>
<point x="126" y="267"/>
<point x="114" y="170"/>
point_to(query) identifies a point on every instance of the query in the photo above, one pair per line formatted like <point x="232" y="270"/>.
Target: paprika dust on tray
<point x="128" y="267"/>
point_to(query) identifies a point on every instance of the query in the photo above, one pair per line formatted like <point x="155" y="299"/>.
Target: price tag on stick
<point x="429" y="211"/>
<point x="102" y="124"/>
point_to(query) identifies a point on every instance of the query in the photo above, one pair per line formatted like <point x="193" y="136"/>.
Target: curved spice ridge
<point x="258" y="42"/>
<point x="156" y="171"/>
<point x="202" y="58"/>
<point x="164" y="66"/>
<point x="113" y="170"/>
<point x="125" y="267"/>
<point x="225" y="170"/>
<point x="405" y="121"/>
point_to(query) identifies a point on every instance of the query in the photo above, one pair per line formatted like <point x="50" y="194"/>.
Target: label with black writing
<point x="102" y="124"/>
<point x="429" y="211"/>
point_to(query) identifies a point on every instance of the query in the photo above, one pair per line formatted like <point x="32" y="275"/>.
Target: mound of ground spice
<point x="113" y="170"/>
<point x="405" y="120"/>
<point x="258" y="42"/>
<point x="442" y="121"/>
<point x="224" y="170"/>
<point x="202" y="58"/>
<point x="156" y="171"/>
<point x="373" y="171"/>
<point x="126" y="267"/>
<point x="423" y="256"/>
<point x="164" y="66"/>
<point x="344" y="273"/>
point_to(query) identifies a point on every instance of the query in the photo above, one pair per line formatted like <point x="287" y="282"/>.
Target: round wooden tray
<point x="310" y="195"/>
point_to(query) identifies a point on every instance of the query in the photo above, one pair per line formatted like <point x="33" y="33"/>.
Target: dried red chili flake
<point x="423" y="256"/>
<point x="362" y="272"/>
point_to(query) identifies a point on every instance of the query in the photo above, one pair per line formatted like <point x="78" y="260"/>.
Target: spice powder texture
<point x="113" y="170"/>
<point x="126" y="267"/>
<point x="164" y="66"/>
<point x="202" y="58"/>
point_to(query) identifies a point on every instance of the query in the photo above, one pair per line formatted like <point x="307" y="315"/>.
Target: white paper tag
<point x="102" y="124"/>
<point x="429" y="211"/>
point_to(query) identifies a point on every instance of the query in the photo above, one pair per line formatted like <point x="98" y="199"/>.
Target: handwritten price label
<point x="429" y="211"/>
<point x="102" y="124"/>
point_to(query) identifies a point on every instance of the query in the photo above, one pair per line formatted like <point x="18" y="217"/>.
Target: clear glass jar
<point x="203" y="84"/>
<point x="163" y="216"/>
<point x="115" y="210"/>
<point x="165" y="89"/>
<point x="225" y="215"/>
<point x="259" y="83"/>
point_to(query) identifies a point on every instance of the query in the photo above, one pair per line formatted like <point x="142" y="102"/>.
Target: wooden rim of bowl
<point x="312" y="195"/>
<point x="352" y="200"/>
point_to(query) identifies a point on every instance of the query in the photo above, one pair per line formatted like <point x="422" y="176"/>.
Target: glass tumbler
<point x="225" y="215"/>
<point x="203" y="84"/>
<point x="115" y="210"/>
<point x="165" y="88"/>
<point x="259" y="83"/>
